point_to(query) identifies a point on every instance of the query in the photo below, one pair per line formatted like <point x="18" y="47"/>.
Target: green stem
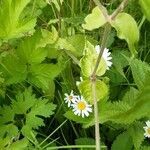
<point x="73" y="57"/>
<point x="119" y="8"/>
<point x="141" y="22"/>
<point x="52" y="133"/>
<point x="74" y="146"/>
<point x="102" y="8"/>
<point x="96" y="115"/>
<point x="106" y="33"/>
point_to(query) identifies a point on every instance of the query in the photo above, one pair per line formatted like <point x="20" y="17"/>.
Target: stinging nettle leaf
<point x="127" y="29"/>
<point x="145" y="5"/>
<point x="140" y="70"/>
<point x="94" y="20"/>
<point x="122" y="142"/>
<point x="136" y="132"/>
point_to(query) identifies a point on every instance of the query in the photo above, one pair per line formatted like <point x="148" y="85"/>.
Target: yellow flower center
<point x="81" y="105"/>
<point x="148" y="130"/>
<point x="70" y="98"/>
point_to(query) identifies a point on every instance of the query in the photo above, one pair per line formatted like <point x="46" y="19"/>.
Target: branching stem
<point x="105" y="36"/>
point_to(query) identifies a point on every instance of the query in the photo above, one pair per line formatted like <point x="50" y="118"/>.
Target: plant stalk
<point x="119" y="9"/>
<point x="96" y="115"/>
<point x="106" y="33"/>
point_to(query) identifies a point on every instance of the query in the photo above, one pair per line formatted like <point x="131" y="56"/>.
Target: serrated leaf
<point x="7" y="126"/>
<point x="125" y="25"/>
<point x="12" y="70"/>
<point x="12" y="25"/>
<point x="9" y="129"/>
<point x="85" y="88"/>
<point x="33" y="110"/>
<point x="122" y="142"/>
<point x="145" y="5"/>
<point x="41" y="74"/>
<point x="137" y="134"/>
<point x="88" y="62"/>
<point x="126" y="111"/>
<point x="119" y="61"/>
<point x="29" y="51"/>
<point x="130" y="96"/>
<point x="139" y="71"/>
<point x="94" y="20"/>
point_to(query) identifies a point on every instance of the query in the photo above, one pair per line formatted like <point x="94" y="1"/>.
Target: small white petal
<point x="148" y="123"/>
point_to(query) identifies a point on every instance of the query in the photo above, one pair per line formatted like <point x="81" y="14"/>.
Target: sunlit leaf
<point x="88" y="62"/>
<point x="127" y="29"/>
<point x="86" y="89"/>
<point x="94" y="20"/>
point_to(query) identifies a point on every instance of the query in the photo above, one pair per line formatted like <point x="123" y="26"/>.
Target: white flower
<point x="106" y="55"/>
<point x="147" y="129"/>
<point x="81" y="108"/>
<point x="70" y="98"/>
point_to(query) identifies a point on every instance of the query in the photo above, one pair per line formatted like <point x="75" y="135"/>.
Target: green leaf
<point x="7" y="126"/>
<point x="125" y="25"/>
<point x="33" y="109"/>
<point x="122" y="142"/>
<point x="29" y="51"/>
<point x="71" y="116"/>
<point x="94" y="20"/>
<point x="145" y="5"/>
<point x="139" y="71"/>
<point x="85" y="88"/>
<point x="78" y="42"/>
<point x="48" y="37"/>
<point x="130" y="96"/>
<point x="88" y="62"/>
<point x="119" y="61"/>
<point x="137" y="134"/>
<point x="19" y="145"/>
<point x="4" y="142"/>
<point x="42" y="74"/>
<point x="74" y="43"/>
<point x="12" y="25"/>
<point x="130" y="109"/>
<point x="12" y="70"/>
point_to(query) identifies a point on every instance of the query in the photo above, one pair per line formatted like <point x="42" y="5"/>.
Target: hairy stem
<point x="106" y="33"/>
<point x="96" y="115"/>
<point x="119" y="9"/>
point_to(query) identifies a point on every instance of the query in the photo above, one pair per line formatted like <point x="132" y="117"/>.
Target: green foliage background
<point x="40" y="45"/>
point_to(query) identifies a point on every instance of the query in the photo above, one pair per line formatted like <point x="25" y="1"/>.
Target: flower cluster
<point x="79" y="105"/>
